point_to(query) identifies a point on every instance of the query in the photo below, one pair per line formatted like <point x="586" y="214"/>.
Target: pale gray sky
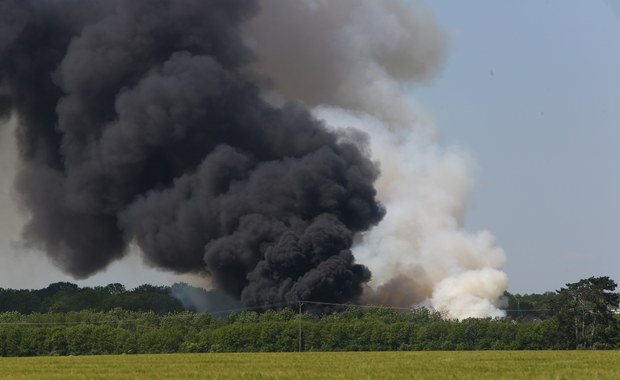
<point x="532" y="89"/>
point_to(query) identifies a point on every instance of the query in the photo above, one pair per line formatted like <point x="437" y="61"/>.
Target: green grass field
<point x="342" y="365"/>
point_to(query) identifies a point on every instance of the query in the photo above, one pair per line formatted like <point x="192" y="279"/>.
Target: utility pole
<point x="300" y="304"/>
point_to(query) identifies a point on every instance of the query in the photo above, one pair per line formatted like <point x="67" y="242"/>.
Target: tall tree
<point x="585" y="312"/>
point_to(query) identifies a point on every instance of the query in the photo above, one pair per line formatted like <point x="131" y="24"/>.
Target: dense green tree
<point x="585" y="312"/>
<point x="66" y="297"/>
<point x="532" y="307"/>
<point x="64" y="319"/>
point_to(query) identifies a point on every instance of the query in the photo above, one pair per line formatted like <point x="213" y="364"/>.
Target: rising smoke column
<point x="143" y="121"/>
<point x="349" y="59"/>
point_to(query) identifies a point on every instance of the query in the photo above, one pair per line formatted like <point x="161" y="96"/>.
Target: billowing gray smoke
<point x="355" y="61"/>
<point x="143" y="121"/>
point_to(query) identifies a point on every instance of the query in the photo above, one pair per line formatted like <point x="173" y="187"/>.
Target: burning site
<point x="271" y="148"/>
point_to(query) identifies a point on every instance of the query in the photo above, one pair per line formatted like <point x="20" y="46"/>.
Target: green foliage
<point x="122" y="331"/>
<point x="584" y="312"/>
<point x="64" y="297"/>
<point x="57" y="323"/>
<point x="532" y="307"/>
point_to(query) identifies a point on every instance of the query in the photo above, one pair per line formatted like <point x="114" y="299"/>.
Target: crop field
<point x="312" y="365"/>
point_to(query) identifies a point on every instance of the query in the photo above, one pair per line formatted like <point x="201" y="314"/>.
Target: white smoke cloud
<point x="420" y="242"/>
<point x="470" y="294"/>
<point x="349" y="59"/>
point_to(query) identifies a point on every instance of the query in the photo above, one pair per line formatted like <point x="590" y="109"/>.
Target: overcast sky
<point x="531" y="89"/>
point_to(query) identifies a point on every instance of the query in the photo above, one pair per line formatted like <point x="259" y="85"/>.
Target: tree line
<point x="581" y="315"/>
<point x="63" y="297"/>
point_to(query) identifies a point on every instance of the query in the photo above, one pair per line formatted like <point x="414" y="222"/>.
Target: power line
<point x="358" y="306"/>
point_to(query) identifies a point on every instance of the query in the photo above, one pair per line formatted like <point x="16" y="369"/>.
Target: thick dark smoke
<point x="142" y="121"/>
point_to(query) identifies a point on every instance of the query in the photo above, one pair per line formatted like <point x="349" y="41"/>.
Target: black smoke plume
<point x="143" y="121"/>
